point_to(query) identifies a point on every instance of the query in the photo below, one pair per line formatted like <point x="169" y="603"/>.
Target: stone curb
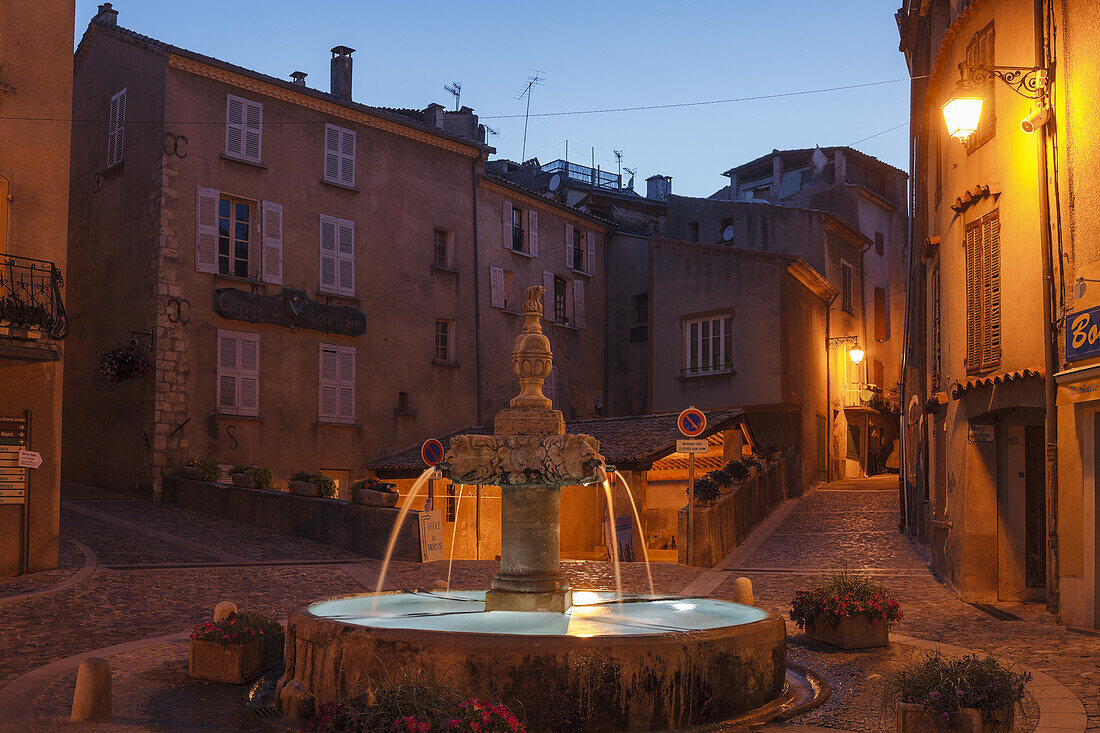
<point x="91" y="562"/>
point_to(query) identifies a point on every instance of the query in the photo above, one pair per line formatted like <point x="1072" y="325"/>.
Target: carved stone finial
<point x="531" y="355"/>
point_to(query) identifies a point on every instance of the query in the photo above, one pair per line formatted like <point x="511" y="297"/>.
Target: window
<point x="563" y="300"/>
<point x="235" y="221"/>
<point x="550" y="388"/>
<point x="983" y="293"/>
<point x="879" y="243"/>
<point x="337" y="255"/>
<point x="443" y="333"/>
<point x="576" y="247"/>
<point x="693" y="231"/>
<point x="708" y="345"/>
<point x="580" y="250"/>
<point x="404" y="404"/>
<point x="115" y="127"/>
<point x="516" y="238"/>
<point x="561" y="313"/>
<point x="243" y="127"/>
<point x="882" y="315"/>
<point x="225" y="228"/>
<point x="339" y="156"/>
<point x="846" y="287"/>
<point x="238" y="372"/>
<point x="502" y="289"/>
<point x="639" y="318"/>
<point x="979" y="52"/>
<point x="935" y="366"/>
<point x="441" y="248"/>
<point x="336" y="384"/>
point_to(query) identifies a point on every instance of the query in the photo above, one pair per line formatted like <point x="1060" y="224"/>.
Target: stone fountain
<point x="569" y="660"/>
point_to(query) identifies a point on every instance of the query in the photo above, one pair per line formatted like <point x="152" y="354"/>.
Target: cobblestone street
<point x="160" y="569"/>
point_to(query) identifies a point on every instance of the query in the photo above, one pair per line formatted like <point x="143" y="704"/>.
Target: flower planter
<point x="192" y="472"/>
<point x="244" y="481"/>
<point x="853" y="632"/>
<point x="232" y="663"/>
<point x="913" y="718"/>
<point x="304" y="488"/>
<point x="370" y="497"/>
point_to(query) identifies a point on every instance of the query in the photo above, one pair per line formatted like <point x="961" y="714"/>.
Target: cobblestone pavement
<point x="853" y="527"/>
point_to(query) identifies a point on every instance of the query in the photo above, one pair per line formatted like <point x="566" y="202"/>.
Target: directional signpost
<point x="692" y="422"/>
<point x="15" y="460"/>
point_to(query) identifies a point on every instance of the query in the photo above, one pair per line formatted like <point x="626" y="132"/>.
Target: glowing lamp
<point x="856" y="355"/>
<point x="961" y="115"/>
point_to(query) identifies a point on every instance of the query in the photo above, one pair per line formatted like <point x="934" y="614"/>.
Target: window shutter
<point x="973" y="299"/>
<point x="578" y="303"/>
<point x="569" y="245"/>
<point x="346" y="373"/>
<point x="936" y="329"/>
<point x="332" y="153"/>
<point x="590" y="262"/>
<point x="115" y="129"/>
<point x="234" y="126"/>
<point x="533" y="232"/>
<point x="347" y="157"/>
<point x="253" y="121"/>
<point x="272" y="262"/>
<point x="227" y="371"/>
<point x="328" y="252"/>
<point x="991" y="296"/>
<point x="496" y="286"/>
<point x="249" y="379"/>
<point x="880" y="315"/>
<point x="345" y="255"/>
<point x="206" y="230"/>
<point x="328" y="383"/>
<point x="506" y="214"/>
<point x="548" y="295"/>
<point x="879" y="242"/>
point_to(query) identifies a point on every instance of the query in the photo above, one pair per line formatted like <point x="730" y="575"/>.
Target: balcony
<point x="31" y="310"/>
<point x="592" y="176"/>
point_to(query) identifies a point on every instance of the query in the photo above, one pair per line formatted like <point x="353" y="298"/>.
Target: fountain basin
<point x="651" y="663"/>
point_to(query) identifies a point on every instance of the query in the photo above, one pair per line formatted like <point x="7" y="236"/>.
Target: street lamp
<point x="961" y="115"/>
<point x="963" y="111"/>
<point x="856" y="355"/>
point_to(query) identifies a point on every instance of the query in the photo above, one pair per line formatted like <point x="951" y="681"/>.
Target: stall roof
<point x="632" y="443"/>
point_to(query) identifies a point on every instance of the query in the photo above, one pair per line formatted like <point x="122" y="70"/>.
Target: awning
<point x="991" y="379"/>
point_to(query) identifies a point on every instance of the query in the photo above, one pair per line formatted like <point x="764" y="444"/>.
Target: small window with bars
<point x="708" y="345"/>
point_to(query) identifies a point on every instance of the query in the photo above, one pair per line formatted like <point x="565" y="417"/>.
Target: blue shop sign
<point x="1083" y="334"/>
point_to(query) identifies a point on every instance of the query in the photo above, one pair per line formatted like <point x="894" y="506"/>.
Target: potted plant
<point x="305" y="483"/>
<point x="229" y="651"/>
<point x="124" y="363"/>
<point x="753" y="464"/>
<point x="706" y="490"/>
<point x="272" y="637"/>
<point x="848" y="611"/>
<point x="735" y="472"/>
<point x="200" y="470"/>
<point x="251" y="477"/>
<point x="372" y="492"/>
<point x="968" y="693"/>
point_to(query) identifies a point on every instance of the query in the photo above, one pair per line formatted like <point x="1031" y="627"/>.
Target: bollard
<point x="224" y="610"/>
<point x="92" y="698"/>
<point x="742" y="591"/>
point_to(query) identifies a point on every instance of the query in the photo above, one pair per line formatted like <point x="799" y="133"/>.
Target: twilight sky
<point x="594" y="56"/>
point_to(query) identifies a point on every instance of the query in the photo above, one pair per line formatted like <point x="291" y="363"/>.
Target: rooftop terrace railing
<point x="30" y="296"/>
<point x="584" y="174"/>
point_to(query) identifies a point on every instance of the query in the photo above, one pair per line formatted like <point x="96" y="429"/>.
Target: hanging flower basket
<point x="124" y="363"/>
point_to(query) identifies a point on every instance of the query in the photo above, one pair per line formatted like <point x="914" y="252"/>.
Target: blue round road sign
<point x="692" y="422"/>
<point x="431" y="451"/>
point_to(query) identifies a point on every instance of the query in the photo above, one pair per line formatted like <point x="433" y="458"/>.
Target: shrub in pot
<point x="235" y="650"/>
<point x="847" y="610"/>
<point x="706" y="490"/>
<point x="200" y="470"/>
<point x="736" y="472"/>
<point x="968" y="693"/>
<point x="251" y="477"/>
<point x="372" y="492"/>
<point x="300" y="483"/>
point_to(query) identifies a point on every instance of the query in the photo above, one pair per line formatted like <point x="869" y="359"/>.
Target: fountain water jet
<point x="638" y="524"/>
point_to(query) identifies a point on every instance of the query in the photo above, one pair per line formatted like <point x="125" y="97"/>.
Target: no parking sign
<point x="431" y="452"/>
<point x="692" y="422"/>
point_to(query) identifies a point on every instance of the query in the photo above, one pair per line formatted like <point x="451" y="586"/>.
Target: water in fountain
<point x="397" y="525"/>
<point x="614" y="533"/>
<point x="454" y="534"/>
<point x="638" y="524"/>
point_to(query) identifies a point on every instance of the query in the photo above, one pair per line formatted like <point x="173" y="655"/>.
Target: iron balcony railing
<point x="584" y="174"/>
<point x="30" y="296"/>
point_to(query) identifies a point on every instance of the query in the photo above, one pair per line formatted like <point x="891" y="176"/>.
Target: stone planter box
<point x="915" y="719"/>
<point x="304" y="488"/>
<point x="853" y="632"/>
<point x="244" y="481"/>
<point x="370" y="497"/>
<point x="191" y="472"/>
<point x="232" y="663"/>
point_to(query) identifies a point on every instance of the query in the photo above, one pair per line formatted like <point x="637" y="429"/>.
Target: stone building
<point x="1002" y="369"/>
<point x="312" y="279"/>
<point x="35" y="109"/>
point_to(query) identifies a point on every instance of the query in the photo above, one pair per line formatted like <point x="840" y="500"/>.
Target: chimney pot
<point x="107" y="16"/>
<point x="658" y="187"/>
<point x="341" y="72"/>
<point x="299" y="77"/>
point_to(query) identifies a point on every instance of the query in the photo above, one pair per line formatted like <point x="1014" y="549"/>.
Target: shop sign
<point x="981" y="434"/>
<point x="291" y="308"/>
<point x="1083" y="334"/>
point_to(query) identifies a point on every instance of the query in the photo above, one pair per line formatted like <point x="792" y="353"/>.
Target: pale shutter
<point x="329" y="389"/>
<point x="345" y="256"/>
<point x="347" y="157"/>
<point x="533" y="232"/>
<point x="569" y="245"/>
<point x="881" y="333"/>
<point x="506" y="218"/>
<point x="227" y="371"/>
<point x="253" y="122"/>
<point x="548" y="295"/>
<point x="973" y="299"/>
<point x="578" y="303"/>
<point x="328" y="252"/>
<point x="115" y="129"/>
<point x="332" y="153"/>
<point x="234" y="126"/>
<point x="590" y="263"/>
<point x="496" y="286"/>
<point x="249" y="379"/>
<point x="346" y="373"/>
<point x="273" y="242"/>
<point x="991" y="295"/>
<point x="206" y="230"/>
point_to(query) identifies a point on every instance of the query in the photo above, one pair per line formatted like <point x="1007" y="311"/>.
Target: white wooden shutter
<point x="345" y="359"/>
<point x="234" y="126"/>
<point x="347" y="157"/>
<point x="496" y="286"/>
<point x="249" y="371"/>
<point x="115" y="129"/>
<point x="345" y="256"/>
<point x="253" y="128"/>
<point x="590" y="262"/>
<point x="227" y="370"/>
<point x="548" y="295"/>
<point x="569" y="245"/>
<point x="328" y="252"/>
<point x="272" y="262"/>
<point x="506" y="214"/>
<point x="206" y="230"/>
<point x="328" y="383"/>
<point x="578" y="303"/>
<point x="533" y="232"/>
<point x="332" y="153"/>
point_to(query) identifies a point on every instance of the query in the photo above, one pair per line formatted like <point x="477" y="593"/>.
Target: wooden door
<point x="1035" y="497"/>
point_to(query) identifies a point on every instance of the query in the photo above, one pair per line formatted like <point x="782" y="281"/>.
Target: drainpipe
<point x="828" y="394"/>
<point x="477" y="303"/>
<point x="1051" y="336"/>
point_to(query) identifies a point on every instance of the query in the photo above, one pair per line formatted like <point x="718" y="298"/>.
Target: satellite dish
<point x="555" y="181"/>
<point x="727" y="233"/>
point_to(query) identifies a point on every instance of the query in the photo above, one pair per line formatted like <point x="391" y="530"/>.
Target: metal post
<point x="25" y="530"/>
<point x="691" y="509"/>
<point x="477" y="524"/>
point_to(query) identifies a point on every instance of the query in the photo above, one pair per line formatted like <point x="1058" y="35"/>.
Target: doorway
<point x="1035" y="497"/>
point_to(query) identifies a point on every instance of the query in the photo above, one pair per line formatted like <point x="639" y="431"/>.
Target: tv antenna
<point x="619" y="160"/>
<point x="533" y="81"/>
<point x="489" y="130"/>
<point x="633" y="172"/>
<point x="455" y="88"/>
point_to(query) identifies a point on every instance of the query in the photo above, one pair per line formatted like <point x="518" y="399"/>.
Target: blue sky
<point x="593" y="55"/>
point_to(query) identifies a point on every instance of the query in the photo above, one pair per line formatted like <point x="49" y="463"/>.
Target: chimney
<point x="341" y="72"/>
<point x="658" y="187"/>
<point x="433" y="115"/>
<point x="299" y="78"/>
<point x="107" y="16"/>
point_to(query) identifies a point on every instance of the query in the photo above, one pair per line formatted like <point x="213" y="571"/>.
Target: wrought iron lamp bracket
<point x="1027" y="81"/>
<point x="835" y="342"/>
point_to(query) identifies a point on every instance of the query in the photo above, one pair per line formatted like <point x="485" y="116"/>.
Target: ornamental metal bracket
<point x="1027" y="81"/>
<point x="835" y="342"/>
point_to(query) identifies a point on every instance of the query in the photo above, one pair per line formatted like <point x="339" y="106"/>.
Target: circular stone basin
<point x="647" y="663"/>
